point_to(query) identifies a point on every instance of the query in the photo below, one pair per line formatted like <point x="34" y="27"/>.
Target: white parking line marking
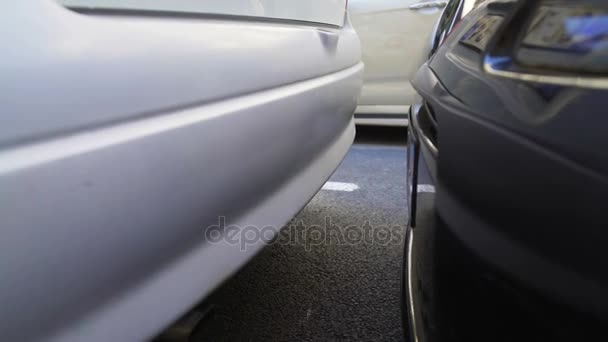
<point x="426" y="188"/>
<point x="339" y="186"/>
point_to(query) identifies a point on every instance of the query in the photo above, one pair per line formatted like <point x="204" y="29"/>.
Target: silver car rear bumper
<point x="108" y="224"/>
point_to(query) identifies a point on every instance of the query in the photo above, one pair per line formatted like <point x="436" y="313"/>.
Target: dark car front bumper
<point x="471" y="274"/>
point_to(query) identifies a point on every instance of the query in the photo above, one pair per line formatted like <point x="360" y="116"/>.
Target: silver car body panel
<point x="329" y="12"/>
<point x="396" y="40"/>
<point x="123" y="139"/>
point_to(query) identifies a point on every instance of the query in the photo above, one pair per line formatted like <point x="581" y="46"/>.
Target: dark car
<point x="508" y="176"/>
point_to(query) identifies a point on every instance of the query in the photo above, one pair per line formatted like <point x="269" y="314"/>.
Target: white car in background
<point x="128" y="129"/>
<point x="396" y="38"/>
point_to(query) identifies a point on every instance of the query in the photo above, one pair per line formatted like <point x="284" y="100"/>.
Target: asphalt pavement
<point x="333" y="274"/>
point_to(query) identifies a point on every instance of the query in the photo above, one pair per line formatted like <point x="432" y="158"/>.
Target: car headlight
<point x="553" y="42"/>
<point x="568" y="36"/>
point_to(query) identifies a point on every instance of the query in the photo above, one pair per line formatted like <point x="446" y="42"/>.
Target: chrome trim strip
<point x="410" y="293"/>
<point x="580" y="82"/>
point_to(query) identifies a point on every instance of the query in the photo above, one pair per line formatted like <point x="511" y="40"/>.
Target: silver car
<point x="130" y="129"/>
<point x="396" y="38"/>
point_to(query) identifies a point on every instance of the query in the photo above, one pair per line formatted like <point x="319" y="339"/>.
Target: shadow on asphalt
<point x="331" y="291"/>
<point x="379" y="135"/>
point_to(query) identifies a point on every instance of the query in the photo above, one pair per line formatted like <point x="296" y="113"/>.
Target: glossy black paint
<point x="513" y="243"/>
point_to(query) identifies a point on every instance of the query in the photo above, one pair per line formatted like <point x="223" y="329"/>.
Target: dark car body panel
<point x="511" y="246"/>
